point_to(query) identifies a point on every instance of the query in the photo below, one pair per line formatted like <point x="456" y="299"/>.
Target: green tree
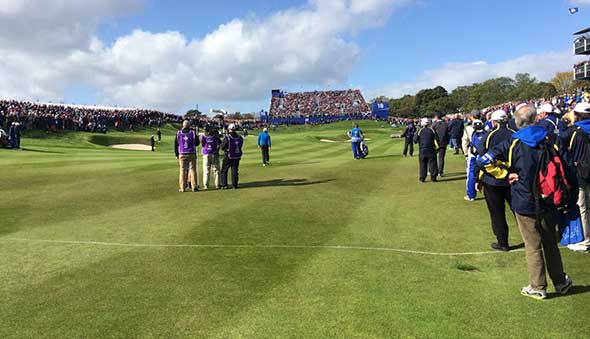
<point x="193" y="113"/>
<point x="563" y="81"/>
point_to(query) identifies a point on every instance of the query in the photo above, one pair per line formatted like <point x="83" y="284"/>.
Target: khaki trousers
<point x="210" y="160"/>
<point x="584" y="203"/>
<point x="541" y="247"/>
<point x="188" y="163"/>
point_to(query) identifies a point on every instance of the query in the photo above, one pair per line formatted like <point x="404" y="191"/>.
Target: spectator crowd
<point x="318" y="103"/>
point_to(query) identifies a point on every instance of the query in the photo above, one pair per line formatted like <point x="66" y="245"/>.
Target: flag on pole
<point x="574" y="10"/>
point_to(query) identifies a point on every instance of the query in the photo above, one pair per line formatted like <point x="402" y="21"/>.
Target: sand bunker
<point x="132" y="147"/>
<point x="327" y="140"/>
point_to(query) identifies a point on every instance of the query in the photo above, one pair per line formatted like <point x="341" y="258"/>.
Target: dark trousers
<point x="265" y="155"/>
<point x="442" y="152"/>
<point x="409" y="143"/>
<point x="228" y="163"/>
<point x="496" y="199"/>
<point x="428" y="163"/>
<point x="458" y="147"/>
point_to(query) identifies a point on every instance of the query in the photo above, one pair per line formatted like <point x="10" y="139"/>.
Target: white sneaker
<point x="580" y="247"/>
<point x="530" y="292"/>
<point x="565" y="287"/>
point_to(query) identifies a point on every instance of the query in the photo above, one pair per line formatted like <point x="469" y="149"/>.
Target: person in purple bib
<point x="232" y="146"/>
<point x="210" y="143"/>
<point x="185" y="147"/>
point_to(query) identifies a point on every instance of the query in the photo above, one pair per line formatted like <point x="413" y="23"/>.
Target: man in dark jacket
<point x="442" y="131"/>
<point x="522" y="154"/>
<point x="427" y="145"/>
<point x="456" y="130"/>
<point x="232" y="146"/>
<point x="496" y="191"/>
<point x="408" y="136"/>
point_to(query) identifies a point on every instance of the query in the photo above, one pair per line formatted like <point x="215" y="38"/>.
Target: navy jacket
<point x="522" y="156"/>
<point x="501" y="133"/>
<point x="409" y="131"/>
<point x="456" y="127"/>
<point x="574" y="140"/>
<point x="427" y="140"/>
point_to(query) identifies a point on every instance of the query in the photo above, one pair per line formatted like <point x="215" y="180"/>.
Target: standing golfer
<point x="210" y="143"/>
<point x="264" y="145"/>
<point x="185" y="147"/>
<point x="356" y="137"/>
<point x="232" y="146"/>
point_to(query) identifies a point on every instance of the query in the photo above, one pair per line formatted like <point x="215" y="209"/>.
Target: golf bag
<point x="364" y="150"/>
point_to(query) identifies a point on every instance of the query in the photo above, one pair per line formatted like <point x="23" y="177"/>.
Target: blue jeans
<point x="471" y="178"/>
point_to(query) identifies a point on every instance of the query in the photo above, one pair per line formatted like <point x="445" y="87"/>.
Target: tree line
<point x="479" y="95"/>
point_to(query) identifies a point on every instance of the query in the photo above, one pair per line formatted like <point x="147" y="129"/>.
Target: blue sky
<point x="396" y="47"/>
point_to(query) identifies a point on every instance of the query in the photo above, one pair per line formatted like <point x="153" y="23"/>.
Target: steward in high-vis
<point x="427" y="141"/>
<point x="232" y="146"/>
<point x="210" y="142"/>
<point x="496" y="191"/>
<point x="185" y="148"/>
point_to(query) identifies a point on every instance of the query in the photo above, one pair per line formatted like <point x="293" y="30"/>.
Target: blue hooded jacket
<point x="264" y="139"/>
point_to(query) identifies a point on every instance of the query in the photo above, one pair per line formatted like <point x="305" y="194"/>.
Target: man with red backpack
<point x="541" y="183"/>
<point x="577" y="142"/>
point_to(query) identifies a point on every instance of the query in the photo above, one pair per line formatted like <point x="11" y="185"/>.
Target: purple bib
<point x="210" y="145"/>
<point x="186" y="142"/>
<point x="235" y="147"/>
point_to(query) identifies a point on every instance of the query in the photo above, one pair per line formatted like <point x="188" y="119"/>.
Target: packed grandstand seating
<point x="54" y="117"/>
<point x="326" y="103"/>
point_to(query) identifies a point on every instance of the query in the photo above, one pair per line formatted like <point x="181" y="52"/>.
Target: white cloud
<point x="240" y="61"/>
<point x="543" y="66"/>
<point x="580" y="2"/>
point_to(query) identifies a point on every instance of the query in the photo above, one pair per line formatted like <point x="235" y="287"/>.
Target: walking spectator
<point x="408" y="136"/>
<point x="264" y="144"/>
<point x="232" y="147"/>
<point x="159" y="134"/>
<point x="442" y="131"/>
<point x="356" y="137"/>
<point x="210" y="143"/>
<point x="456" y="130"/>
<point x="495" y="186"/>
<point x="153" y="143"/>
<point x="185" y="147"/>
<point x="538" y="227"/>
<point x="426" y="139"/>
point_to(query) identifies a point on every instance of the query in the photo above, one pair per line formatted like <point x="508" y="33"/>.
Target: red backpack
<point x="555" y="186"/>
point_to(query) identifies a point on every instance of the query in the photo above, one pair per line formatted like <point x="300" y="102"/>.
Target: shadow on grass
<point x="41" y="151"/>
<point x="452" y="179"/>
<point x="516" y="247"/>
<point x="383" y="156"/>
<point x="281" y="182"/>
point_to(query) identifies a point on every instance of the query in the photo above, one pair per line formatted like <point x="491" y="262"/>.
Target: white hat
<point x="424" y="122"/>
<point x="265" y="129"/>
<point x="547" y="108"/>
<point x="231" y="126"/>
<point x="499" y="115"/>
<point x="582" y="107"/>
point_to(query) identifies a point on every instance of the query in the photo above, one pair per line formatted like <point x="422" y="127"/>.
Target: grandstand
<point x="345" y="103"/>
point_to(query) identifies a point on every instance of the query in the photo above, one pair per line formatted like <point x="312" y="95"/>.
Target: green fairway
<point x="98" y="243"/>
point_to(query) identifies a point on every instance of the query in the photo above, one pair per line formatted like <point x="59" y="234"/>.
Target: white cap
<point x="547" y="108"/>
<point x="424" y="122"/>
<point x="499" y="115"/>
<point x="231" y="126"/>
<point x="265" y="129"/>
<point x="582" y="107"/>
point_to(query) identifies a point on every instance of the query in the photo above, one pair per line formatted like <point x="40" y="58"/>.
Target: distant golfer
<point x="153" y="143"/>
<point x="232" y="146"/>
<point x="264" y="144"/>
<point x="185" y="147"/>
<point x="159" y="133"/>
<point x="356" y="137"/>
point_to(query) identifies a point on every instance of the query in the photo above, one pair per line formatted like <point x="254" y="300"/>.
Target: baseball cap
<point x="582" y="107"/>
<point x="520" y="106"/>
<point x="477" y="124"/>
<point x="499" y="115"/>
<point x="265" y="129"/>
<point x="231" y="126"/>
<point x="424" y="122"/>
